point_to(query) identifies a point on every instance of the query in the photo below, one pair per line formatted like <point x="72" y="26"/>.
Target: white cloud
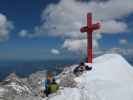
<point x="123" y="51"/>
<point x="5" y="27"/>
<point x="55" y="51"/>
<point x="113" y="27"/>
<point x="23" y="33"/>
<point x="123" y="41"/>
<point x="78" y="45"/>
<point x="74" y="45"/>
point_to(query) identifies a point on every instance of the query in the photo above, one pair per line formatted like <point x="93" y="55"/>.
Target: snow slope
<point x="111" y="67"/>
<point x="110" y="79"/>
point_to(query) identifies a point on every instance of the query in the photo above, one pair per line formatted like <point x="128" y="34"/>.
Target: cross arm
<point x="84" y="29"/>
<point x="96" y="26"/>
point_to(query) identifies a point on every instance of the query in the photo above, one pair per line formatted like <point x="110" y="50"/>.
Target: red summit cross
<point x="89" y="29"/>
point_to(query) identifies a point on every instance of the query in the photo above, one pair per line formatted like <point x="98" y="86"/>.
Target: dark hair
<point x="49" y="73"/>
<point x="54" y="81"/>
<point x="81" y="64"/>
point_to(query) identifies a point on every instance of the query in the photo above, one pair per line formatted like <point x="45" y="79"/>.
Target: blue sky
<point x="52" y="42"/>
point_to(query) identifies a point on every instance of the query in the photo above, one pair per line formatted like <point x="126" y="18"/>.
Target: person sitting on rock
<point x="81" y="68"/>
<point x="53" y="87"/>
<point x="47" y="82"/>
<point x="88" y="66"/>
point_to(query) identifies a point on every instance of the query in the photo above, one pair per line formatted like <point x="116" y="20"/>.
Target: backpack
<point x="88" y="68"/>
<point x="52" y="88"/>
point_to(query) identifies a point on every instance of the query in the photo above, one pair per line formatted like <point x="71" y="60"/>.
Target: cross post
<point x="89" y="29"/>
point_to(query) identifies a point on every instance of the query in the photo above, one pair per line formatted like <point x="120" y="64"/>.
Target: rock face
<point x="110" y="79"/>
<point x="34" y="81"/>
<point x="13" y="86"/>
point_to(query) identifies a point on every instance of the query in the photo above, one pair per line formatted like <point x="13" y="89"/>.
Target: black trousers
<point x="46" y="92"/>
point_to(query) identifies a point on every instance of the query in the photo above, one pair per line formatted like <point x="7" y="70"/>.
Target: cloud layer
<point x="123" y="51"/>
<point x="5" y="27"/>
<point x="67" y="17"/>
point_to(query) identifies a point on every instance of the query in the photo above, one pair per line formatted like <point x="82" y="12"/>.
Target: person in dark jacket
<point x="47" y="82"/>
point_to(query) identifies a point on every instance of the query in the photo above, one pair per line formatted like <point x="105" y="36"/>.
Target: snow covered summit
<point x="111" y="67"/>
<point x="110" y="79"/>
